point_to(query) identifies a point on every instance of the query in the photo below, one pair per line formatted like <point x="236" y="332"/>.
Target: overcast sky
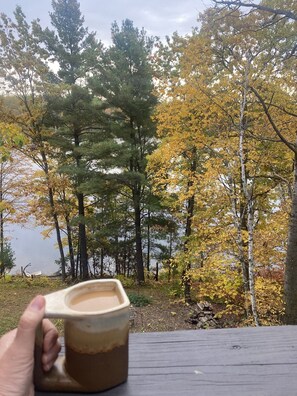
<point x="158" y="17"/>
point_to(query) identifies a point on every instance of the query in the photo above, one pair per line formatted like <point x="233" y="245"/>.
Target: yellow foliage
<point x="219" y="283"/>
<point x="270" y="303"/>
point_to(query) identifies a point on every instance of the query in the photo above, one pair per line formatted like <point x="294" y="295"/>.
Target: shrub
<point x="139" y="300"/>
<point x="220" y="284"/>
<point x="270" y="303"/>
<point x="126" y="282"/>
<point x="6" y="259"/>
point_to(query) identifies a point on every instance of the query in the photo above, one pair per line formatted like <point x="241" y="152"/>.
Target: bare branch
<point x="284" y="110"/>
<point x="276" y="11"/>
<point x="291" y="146"/>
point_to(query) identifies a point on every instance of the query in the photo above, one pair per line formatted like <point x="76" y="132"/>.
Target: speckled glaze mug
<point x="96" y="331"/>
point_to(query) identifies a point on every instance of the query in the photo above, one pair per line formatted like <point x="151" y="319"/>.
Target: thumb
<point x="28" y="323"/>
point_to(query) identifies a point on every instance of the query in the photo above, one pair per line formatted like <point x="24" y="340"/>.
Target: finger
<point x="32" y="316"/>
<point x="47" y="325"/>
<point x="50" y="335"/>
<point x="48" y="359"/>
<point x="51" y="345"/>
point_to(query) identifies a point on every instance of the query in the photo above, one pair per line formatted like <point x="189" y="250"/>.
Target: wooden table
<point x="230" y="362"/>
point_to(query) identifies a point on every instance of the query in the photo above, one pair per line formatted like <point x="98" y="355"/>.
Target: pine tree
<point x="125" y="80"/>
<point x="73" y="114"/>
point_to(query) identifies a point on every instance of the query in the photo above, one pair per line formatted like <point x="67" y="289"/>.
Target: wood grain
<point x="228" y="362"/>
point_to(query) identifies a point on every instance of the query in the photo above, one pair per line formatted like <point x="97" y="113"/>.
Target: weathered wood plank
<point x="246" y="361"/>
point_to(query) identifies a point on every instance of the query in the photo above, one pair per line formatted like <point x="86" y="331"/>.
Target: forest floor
<point x="161" y="313"/>
<point x="153" y="308"/>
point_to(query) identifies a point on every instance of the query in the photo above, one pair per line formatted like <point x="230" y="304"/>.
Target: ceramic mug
<point x="96" y="330"/>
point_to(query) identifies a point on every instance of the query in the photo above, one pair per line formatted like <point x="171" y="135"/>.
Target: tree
<point x="125" y="81"/>
<point x="26" y="78"/>
<point x="283" y="10"/>
<point x="12" y="173"/>
<point x="279" y="110"/>
<point x="177" y="164"/>
<point x="6" y="259"/>
<point x="247" y="57"/>
<point x="74" y="113"/>
<point x="209" y="104"/>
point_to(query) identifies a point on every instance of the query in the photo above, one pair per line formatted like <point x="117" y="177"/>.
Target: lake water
<point x="29" y="246"/>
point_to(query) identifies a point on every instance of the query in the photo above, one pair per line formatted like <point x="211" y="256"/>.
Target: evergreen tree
<point x="73" y="113"/>
<point x="6" y="258"/>
<point x="125" y="80"/>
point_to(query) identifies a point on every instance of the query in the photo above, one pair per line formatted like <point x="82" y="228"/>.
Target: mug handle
<point x="57" y="379"/>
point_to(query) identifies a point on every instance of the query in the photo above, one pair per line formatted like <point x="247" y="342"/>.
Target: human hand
<point x="17" y="351"/>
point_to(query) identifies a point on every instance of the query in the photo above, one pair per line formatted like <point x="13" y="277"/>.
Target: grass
<point x="17" y="292"/>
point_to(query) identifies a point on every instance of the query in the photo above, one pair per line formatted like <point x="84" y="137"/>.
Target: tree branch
<point x="276" y="11"/>
<point x="291" y="146"/>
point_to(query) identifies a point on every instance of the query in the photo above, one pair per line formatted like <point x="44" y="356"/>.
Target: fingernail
<point x="37" y="304"/>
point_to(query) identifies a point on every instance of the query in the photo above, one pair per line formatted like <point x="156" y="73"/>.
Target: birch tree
<point x="278" y="22"/>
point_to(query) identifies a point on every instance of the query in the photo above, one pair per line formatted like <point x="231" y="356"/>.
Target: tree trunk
<point x="2" y="264"/>
<point x="70" y="247"/>
<point x="185" y="274"/>
<point x="54" y="214"/>
<point x="82" y="235"/>
<point x="124" y="255"/>
<point x="82" y="238"/>
<point x="117" y="256"/>
<point x="102" y="263"/>
<point x="247" y="189"/>
<point x="138" y="238"/>
<point x="244" y="246"/>
<point x="251" y="262"/>
<point x="291" y="259"/>
<point x="148" y="258"/>
<point x="240" y="224"/>
<point x="157" y="272"/>
<point x="186" y="280"/>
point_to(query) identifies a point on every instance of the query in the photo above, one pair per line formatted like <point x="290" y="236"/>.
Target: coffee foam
<point x="94" y="301"/>
<point x="95" y="341"/>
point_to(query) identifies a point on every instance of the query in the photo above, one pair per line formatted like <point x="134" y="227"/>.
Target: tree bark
<point x="185" y="275"/>
<point x="247" y="192"/>
<point x="2" y="264"/>
<point x="138" y="238"/>
<point x="253" y="299"/>
<point x="58" y="233"/>
<point x="148" y="258"/>
<point x="101" y="263"/>
<point x="70" y="247"/>
<point x="54" y="214"/>
<point x="82" y="237"/>
<point x="240" y="224"/>
<point x="186" y="280"/>
<point x="291" y="259"/>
